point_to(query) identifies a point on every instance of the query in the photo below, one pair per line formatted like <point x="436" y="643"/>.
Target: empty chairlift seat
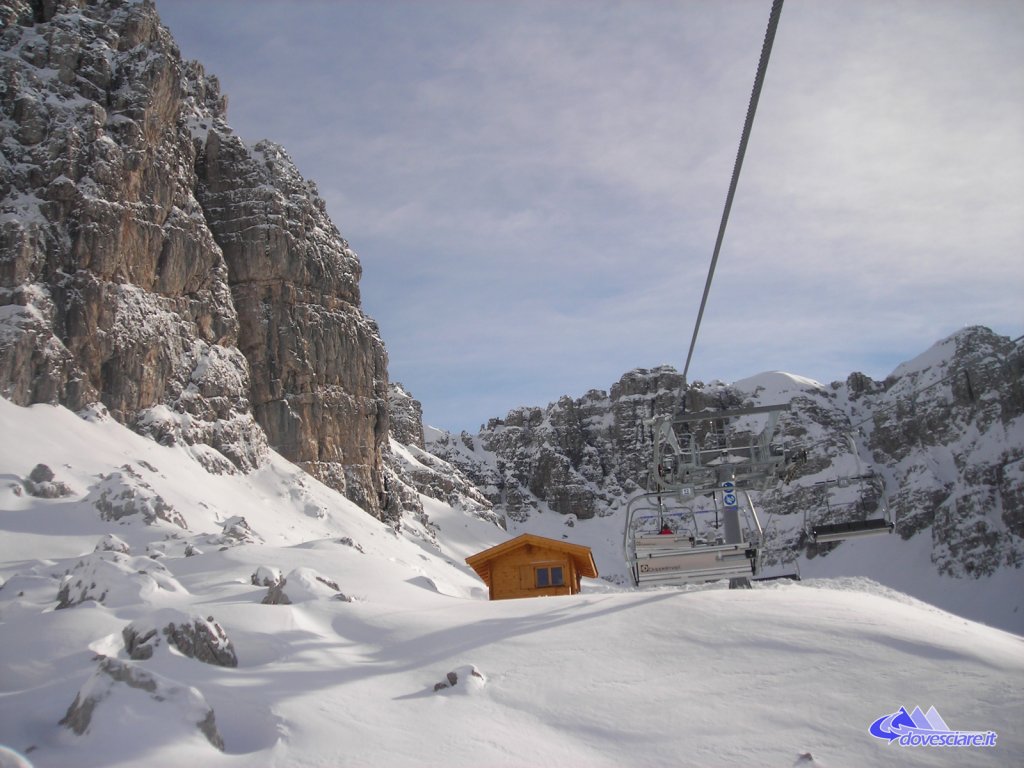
<point x="677" y="561"/>
<point x="822" y="534"/>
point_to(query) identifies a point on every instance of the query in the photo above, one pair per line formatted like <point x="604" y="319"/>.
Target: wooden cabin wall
<point x="512" y="574"/>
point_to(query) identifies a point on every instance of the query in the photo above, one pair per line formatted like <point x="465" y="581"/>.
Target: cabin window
<point x="550" y="577"/>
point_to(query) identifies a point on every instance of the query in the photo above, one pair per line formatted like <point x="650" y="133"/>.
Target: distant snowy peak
<point x="775" y="387"/>
<point x="973" y="344"/>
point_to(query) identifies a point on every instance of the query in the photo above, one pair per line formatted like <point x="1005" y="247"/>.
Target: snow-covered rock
<point x="265" y="576"/>
<point x="112" y="543"/>
<point x="120" y="693"/>
<point x="115" y="579"/>
<point x="125" y="494"/>
<point x="41" y="483"/>
<point x="464" y="679"/>
<point x="303" y="585"/>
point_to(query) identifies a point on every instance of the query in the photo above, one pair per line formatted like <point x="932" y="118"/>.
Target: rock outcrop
<point x="194" y="637"/>
<point x="152" y="261"/>
<point x="949" y="428"/>
<point x="124" y="494"/>
<point x="406" y="416"/>
<point x="114" y="689"/>
<point x="114" y="579"/>
<point x="576" y="456"/>
<point x="302" y="585"/>
<point x="319" y="368"/>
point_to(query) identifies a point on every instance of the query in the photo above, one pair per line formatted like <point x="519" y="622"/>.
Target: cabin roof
<point x="580" y="555"/>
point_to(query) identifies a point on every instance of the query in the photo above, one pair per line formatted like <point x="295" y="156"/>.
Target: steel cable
<point x="762" y="67"/>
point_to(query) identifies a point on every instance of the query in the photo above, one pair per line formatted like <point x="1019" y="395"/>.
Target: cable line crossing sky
<point x="534" y="187"/>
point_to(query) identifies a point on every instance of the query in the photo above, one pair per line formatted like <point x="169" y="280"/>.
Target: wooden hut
<point x="533" y="566"/>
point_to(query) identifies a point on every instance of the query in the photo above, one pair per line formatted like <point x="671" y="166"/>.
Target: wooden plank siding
<point x="510" y="569"/>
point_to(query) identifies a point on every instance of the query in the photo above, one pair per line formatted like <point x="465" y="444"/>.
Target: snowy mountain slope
<point x="943" y="437"/>
<point x="345" y="673"/>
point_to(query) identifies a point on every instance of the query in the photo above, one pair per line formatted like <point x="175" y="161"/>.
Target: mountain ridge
<point x="944" y="435"/>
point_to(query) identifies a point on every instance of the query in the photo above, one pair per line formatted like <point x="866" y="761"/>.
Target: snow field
<point x="612" y="677"/>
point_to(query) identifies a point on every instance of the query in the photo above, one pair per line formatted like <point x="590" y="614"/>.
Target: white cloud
<point x="535" y="190"/>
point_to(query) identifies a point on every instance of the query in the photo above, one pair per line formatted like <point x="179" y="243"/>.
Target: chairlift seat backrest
<point x="689" y="564"/>
<point x="849" y="530"/>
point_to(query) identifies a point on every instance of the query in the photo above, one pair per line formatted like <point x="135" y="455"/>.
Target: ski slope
<point x="782" y="675"/>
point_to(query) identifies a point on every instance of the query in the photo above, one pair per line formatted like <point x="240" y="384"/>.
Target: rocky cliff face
<point x="153" y="262"/>
<point x="948" y="427"/>
<point x="406" y="417"/>
<point x="580" y="457"/>
<point x="944" y="435"/>
<point x="411" y="470"/>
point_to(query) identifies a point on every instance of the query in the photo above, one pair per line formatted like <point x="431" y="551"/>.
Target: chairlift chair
<point x="687" y="555"/>
<point x="699" y="456"/>
<point x="829" y="532"/>
<point x="824" y="533"/>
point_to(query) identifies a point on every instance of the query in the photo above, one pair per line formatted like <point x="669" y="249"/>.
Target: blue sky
<point x="534" y="187"/>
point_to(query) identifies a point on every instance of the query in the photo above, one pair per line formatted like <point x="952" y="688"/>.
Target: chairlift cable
<point x="762" y="67"/>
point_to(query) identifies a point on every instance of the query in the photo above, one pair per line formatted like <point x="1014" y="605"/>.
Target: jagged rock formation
<point x="319" y="369"/>
<point x="406" y="416"/>
<point x="153" y="262"/>
<point x="955" y="451"/>
<point x="579" y="457"/>
<point x="945" y="433"/>
<point x="411" y="470"/>
<point x="197" y="638"/>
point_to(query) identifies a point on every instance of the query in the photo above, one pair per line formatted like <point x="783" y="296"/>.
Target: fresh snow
<point x="785" y="674"/>
<point x="776" y="387"/>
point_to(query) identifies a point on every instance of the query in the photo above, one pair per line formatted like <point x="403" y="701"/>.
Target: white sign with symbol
<point x="729" y="496"/>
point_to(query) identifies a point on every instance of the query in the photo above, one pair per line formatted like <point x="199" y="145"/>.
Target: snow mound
<point x="466" y="679"/>
<point x="11" y="759"/>
<point x="116" y="579"/>
<point x="436" y="585"/>
<point x="121" y="693"/>
<point x="304" y="585"/>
